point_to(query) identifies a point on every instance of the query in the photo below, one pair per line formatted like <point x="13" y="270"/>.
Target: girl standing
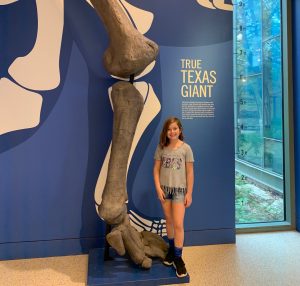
<point x="174" y="178"/>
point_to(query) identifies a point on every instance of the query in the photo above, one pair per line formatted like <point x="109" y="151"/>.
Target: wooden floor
<point x="256" y="259"/>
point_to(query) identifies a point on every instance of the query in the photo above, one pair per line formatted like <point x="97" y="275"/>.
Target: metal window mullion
<point x="235" y="97"/>
<point x="262" y="81"/>
<point x="288" y="129"/>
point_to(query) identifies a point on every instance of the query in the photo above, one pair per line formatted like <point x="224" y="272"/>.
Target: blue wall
<point x="296" y="80"/>
<point x="48" y="172"/>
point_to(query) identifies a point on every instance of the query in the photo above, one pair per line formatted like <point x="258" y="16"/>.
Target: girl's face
<point x="173" y="131"/>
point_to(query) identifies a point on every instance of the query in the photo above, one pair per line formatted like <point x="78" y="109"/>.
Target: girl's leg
<point x="167" y="208"/>
<point x="178" y="211"/>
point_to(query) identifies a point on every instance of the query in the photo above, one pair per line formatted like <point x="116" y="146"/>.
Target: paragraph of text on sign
<point x="196" y="109"/>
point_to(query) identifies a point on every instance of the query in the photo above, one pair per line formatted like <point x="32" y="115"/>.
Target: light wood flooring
<point x="266" y="259"/>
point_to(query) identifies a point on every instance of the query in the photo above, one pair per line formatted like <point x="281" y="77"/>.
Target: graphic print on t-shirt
<point x="171" y="162"/>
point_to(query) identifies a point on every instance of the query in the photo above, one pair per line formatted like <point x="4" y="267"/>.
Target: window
<point x="258" y="88"/>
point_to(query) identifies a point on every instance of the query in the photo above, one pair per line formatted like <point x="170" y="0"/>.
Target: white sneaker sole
<point x="168" y="263"/>
<point x="181" y="275"/>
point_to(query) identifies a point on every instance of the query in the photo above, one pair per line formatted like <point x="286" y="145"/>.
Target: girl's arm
<point x="190" y="183"/>
<point x="156" y="171"/>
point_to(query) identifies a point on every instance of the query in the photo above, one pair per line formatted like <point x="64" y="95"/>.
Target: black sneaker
<point x="180" y="267"/>
<point x="169" y="257"/>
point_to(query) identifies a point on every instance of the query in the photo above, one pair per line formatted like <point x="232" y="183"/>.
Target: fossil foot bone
<point x="129" y="52"/>
<point x="125" y="238"/>
<point x="139" y="246"/>
<point x="155" y="246"/>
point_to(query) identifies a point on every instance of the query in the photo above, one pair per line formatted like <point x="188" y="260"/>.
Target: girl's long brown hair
<point x="163" y="139"/>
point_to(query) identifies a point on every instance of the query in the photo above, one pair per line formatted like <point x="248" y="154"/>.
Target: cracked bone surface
<point x="128" y="105"/>
<point x="129" y="52"/>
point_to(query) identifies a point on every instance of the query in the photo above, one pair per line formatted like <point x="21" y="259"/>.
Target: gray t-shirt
<point x="172" y="169"/>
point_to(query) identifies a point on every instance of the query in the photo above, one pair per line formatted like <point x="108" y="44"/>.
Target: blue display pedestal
<point x="121" y="271"/>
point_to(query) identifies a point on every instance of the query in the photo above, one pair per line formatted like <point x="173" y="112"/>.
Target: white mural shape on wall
<point x="223" y="6"/>
<point x="140" y="224"/>
<point x="38" y="70"/>
<point x="216" y="4"/>
<point x="19" y="108"/>
<point x="206" y="4"/>
<point x="148" y="69"/>
<point x="6" y="2"/>
<point x="142" y="19"/>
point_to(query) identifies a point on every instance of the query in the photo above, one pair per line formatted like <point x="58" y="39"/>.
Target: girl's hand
<point x="188" y="200"/>
<point x="160" y="195"/>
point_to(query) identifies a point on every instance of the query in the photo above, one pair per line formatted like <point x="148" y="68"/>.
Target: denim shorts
<point x="176" y="196"/>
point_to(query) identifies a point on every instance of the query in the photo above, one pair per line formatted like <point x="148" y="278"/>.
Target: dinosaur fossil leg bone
<point x="129" y="52"/>
<point x="128" y="105"/>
